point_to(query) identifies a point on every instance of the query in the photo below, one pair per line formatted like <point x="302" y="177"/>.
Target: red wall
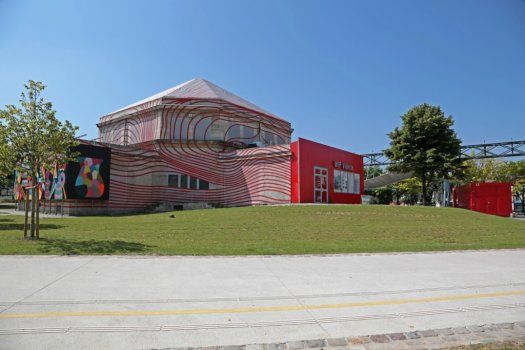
<point x="307" y="154"/>
<point x="493" y="198"/>
<point x="294" y="147"/>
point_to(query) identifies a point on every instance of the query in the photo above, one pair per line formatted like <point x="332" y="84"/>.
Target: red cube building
<point x="493" y="198"/>
<point x="324" y="174"/>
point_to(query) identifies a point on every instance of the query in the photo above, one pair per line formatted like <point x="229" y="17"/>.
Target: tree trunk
<point x="424" y="188"/>
<point x="26" y="209"/>
<point x="33" y="207"/>
<point x="37" y="200"/>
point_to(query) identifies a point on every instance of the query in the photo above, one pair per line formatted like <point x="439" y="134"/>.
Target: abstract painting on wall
<point x="53" y="184"/>
<point x="21" y="181"/>
<point x="89" y="183"/>
<point x="88" y="178"/>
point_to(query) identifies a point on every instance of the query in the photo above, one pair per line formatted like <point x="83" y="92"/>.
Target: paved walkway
<point x="10" y="211"/>
<point x="169" y="302"/>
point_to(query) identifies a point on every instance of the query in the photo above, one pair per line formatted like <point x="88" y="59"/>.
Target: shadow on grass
<point x="8" y="224"/>
<point x="63" y="246"/>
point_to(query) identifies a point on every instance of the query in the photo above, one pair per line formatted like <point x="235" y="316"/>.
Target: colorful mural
<point x="21" y="181"/>
<point x="86" y="179"/>
<point x="54" y="182"/>
<point x="89" y="183"/>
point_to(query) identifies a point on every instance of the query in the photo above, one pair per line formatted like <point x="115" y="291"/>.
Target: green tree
<point x="484" y="170"/>
<point x="5" y="161"/>
<point x="425" y="145"/>
<point x="382" y="195"/>
<point x="35" y="139"/>
<point x="487" y="170"/>
<point x="516" y="172"/>
<point x="519" y="192"/>
<point x="373" y="171"/>
<point x="407" y="191"/>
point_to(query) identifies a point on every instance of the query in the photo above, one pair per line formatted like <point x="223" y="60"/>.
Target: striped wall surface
<point x="138" y="179"/>
<point x="205" y="139"/>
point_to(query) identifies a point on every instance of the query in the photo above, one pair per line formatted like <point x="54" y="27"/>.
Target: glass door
<point x="320" y="185"/>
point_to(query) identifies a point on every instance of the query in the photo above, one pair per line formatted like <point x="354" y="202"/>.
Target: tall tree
<point x="35" y="140"/>
<point x="516" y="172"/>
<point x="5" y="158"/>
<point x="426" y="145"/>
<point x="486" y="170"/>
<point x="483" y="170"/>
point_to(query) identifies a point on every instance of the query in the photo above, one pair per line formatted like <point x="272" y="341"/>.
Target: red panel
<point x="308" y="154"/>
<point x="493" y="198"/>
<point x="294" y="148"/>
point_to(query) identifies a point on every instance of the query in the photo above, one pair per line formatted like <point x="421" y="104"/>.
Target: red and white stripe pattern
<point x="201" y="139"/>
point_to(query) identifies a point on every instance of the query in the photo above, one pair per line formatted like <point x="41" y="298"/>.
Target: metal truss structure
<point x="481" y="151"/>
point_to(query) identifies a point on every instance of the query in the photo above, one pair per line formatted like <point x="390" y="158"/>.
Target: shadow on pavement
<point x="63" y="246"/>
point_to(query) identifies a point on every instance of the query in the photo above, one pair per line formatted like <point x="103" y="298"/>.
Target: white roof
<point x="193" y="89"/>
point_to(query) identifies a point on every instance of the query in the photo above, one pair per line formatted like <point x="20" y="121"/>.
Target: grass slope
<point x="268" y="230"/>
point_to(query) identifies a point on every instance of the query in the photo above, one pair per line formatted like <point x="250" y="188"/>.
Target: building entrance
<point x="320" y="185"/>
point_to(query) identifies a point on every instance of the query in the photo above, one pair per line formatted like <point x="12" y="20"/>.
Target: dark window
<point x="184" y="181"/>
<point x="173" y="180"/>
<point x="193" y="183"/>
<point x="204" y="185"/>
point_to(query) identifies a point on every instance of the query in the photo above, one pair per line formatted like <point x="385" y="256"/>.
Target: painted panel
<point x="89" y="177"/>
<point x="493" y="198"/>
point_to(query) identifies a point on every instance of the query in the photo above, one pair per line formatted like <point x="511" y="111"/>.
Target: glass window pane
<point x="193" y="183"/>
<point x="217" y="130"/>
<point x="184" y="181"/>
<point x="234" y="133"/>
<point x="173" y="180"/>
<point x="249" y="133"/>
<point x="357" y="184"/>
<point x="337" y="181"/>
<point x="344" y="182"/>
<point x="182" y="133"/>
<point x="200" y="131"/>
<point x="204" y="185"/>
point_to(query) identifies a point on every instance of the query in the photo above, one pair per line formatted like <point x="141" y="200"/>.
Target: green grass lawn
<point x="268" y="230"/>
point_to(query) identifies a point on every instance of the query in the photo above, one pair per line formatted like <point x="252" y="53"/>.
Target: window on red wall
<point x="346" y="182"/>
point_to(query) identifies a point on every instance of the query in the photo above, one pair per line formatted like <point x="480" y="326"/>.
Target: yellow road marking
<point x="453" y="297"/>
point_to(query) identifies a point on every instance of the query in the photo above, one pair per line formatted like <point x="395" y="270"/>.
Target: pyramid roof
<point x="194" y="89"/>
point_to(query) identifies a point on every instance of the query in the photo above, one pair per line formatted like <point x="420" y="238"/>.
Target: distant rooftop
<point x="193" y="89"/>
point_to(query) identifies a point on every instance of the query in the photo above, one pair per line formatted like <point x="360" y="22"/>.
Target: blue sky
<point x="342" y="72"/>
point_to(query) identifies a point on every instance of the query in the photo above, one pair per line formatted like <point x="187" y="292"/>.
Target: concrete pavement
<point x="155" y="302"/>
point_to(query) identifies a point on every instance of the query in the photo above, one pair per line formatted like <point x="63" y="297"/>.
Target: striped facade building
<point x="194" y="145"/>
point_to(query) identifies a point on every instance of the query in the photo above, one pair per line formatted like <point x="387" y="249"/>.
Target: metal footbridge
<point x="479" y="151"/>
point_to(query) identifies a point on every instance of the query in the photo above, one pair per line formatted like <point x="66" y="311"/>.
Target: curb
<point x="421" y="339"/>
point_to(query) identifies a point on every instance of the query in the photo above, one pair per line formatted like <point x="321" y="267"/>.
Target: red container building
<point x="493" y="198"/>
<point x="324" y="174"/>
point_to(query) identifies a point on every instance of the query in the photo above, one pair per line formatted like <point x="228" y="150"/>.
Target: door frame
<point x="321" y="189"/>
